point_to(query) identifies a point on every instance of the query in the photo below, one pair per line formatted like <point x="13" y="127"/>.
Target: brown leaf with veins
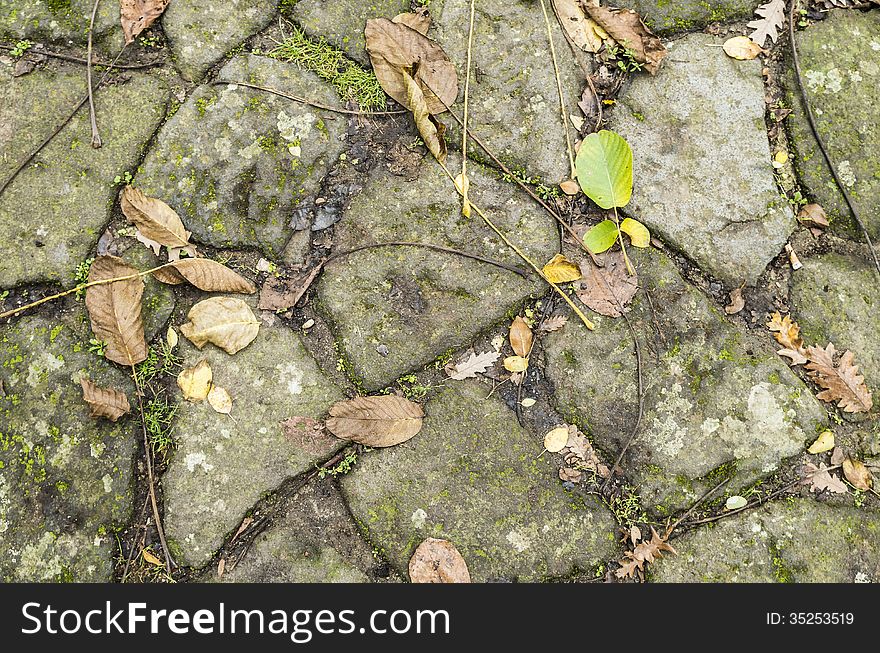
<point x="226" y="322"/>
<point x="420" y="20"/>
<point x="155" y="220"/>
<point x="438" y="561"/>
<point x="521" y="338"/>
<point x="600" y="287"/>
<point x="115" y="310"/>
<point x="819" y="479"/>
<point x="626" y="27"/>
<point x="137" y="15"/>
<point x="857" y="474"/>
<point x="553" y="323"/>
<point x="104" y="402"/>
<point x="842" y="382"/>
<point x="380" y="421"/>
<point x="210" y="276"/>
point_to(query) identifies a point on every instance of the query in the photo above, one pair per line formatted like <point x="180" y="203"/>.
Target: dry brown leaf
<point x="772" y="19"/>
<point x="521" y="338"/>
<point x="592" y="110"/>
<point x="819" y="479"/>
<point x="430" y="129"/>
<point x="742" y="47"/>
<point x="788" y="334"/>
<point x="438" y="561"/>
<point x="115" y="310"/>
<point x="556" y="439"/>
<point x="154" y="219"/>
<point x="473" y="365"/>
<point x="626" y="27"/>
<point x="380" y="421"/>
<point x="220" y="400"/>
<point x="420" y="20"/>
<point x="601" y="286"/>
<point x="813" y="214"/>
<point x="104" y="402"/>
<point x="211" y="276"/>
<point x="137" y="15"/>
<point x="838" y="456"/>
<point x="570" y="474"/>
<point x="570" y="187"/>
<point x="841" y="382"/>
<point x="580" y="29"/>
<point x="394" y="48"/>
<point x="195" y="382"/>
<point x="553" y="323"/>
<point x="226" y="322"/>
<point x="281" y="294"/>
<point x="737" y="302"/>
<point x="561" y="270"/>
<point x="148" y="556"/>
<point x="642" y="553"/>
<point x="857" y="474"/>
<point x="169" y="276"/>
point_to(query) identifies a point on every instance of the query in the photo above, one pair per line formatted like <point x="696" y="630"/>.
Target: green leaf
<point x="604" y="169"/>
<point x="601" y="237"/>
<point x="637" y="232"/>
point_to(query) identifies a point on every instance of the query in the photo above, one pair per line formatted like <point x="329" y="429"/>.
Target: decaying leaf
<point x="570" y="474"/>
<point x="819" y="479"/>
<point x="309" y="434"/>
<point x="842" y="382"/>
<point x="137" y="15"/>
<point x="521" y="338"/>
<point x="195" y="382"/>
<point x="380" y="421"/>
<point x="642" y="553"/>
<point x="220" y="400"/>
<point x="590" y="107"/>
<point x="115" y="310"/>
<point x="395" y="48"/>
<point x="838" y="456"/>
<point x="473" y="365"/>
<point x="556" y="439"/>
<point x="280" y="294"/>
<point x="226" y="322"/>
<point x="420" y="20"/>
<point x="168" y="276"/>
<point x="813" y="214"/>
<point x="561" y="270"/>
<point x="580" y="29"/>
<point x="148" y="556"/>
<point x="580" y="454"/>
<point x="430" y="129"/>
<point x="742" y="47"/>
<point x="737" y="302"/>
<point x="211" y="276"/>
<point x="637" y="232"/>
<point x="787" y="334"/>
<point x="607" y="290"/>
<point x="772" y="18"/>
<point x="438" y="561"/>
<point x="825" y="442"/>
<point x="626" y="27"/>
<point x="516" y="364"/>
<point x="857" y="474"/>
<point x="553" y="323"/>
<point x="104" y="402"/>
<point x="154" y="219"/>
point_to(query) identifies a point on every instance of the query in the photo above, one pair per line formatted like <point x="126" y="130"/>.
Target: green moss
<point x="780" y="569"/>
<point x="59" y="7"/>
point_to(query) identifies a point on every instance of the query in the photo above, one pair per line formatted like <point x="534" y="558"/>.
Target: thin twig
<point x="310" y="103"/>
<point x="45" y="142"/>
<point x="465" y="207"/>
<point x="80" y="60"/>
<point x="169" y="561"/>
<point x="562" y="110"/>
<point x="96" y="137"/>
<point x="697" y="503"/>
<point x="811" y="119"/>
<point x="137" y="533"/>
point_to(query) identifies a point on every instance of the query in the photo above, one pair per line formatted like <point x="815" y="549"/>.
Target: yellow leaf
<point x="742" y="47"/>
<point x="153" y="560"/>
<point x="462" y="185"/>
<point x="556" y="440"/>
<point x="195" y="382"/>
<point x="220" y="400"/>
<point x="171" y="338"/>
<point x="825" y="442"/>
<point x="637" y="232"/>
<point x="516" y="364"/>
<point x="561" y="270"/>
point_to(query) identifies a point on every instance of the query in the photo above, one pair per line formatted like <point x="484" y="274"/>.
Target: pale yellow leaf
<point x="556" y="440"/>
<point x="637" y="232"/>
<point x="220" y="400"/>
<point x="516" y="364"/>
<point x="742" y="47"/>
<point x="825" y="442"/>
<point x="226" y="322"/>
<point x="195" y="382"/>
<point x="561" y="270"/>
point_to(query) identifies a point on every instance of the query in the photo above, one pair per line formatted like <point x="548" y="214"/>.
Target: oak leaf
<point x="819" y="479"/>
<point x="842" y="382"/>
<point x="553" y="323"/>
<point x="642" y="553"/>
<point x="104" y="402"/>
<point x="473" y="365"/>
<point x="226" y="322"/>
<point x="772" y="18"/>
<point x="137" y="15"/>
<point x="380" y="421"/>
<point x="438" y="561"/>
<point x="115" y="310"/>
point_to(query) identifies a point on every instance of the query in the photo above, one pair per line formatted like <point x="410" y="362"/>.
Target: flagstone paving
<point x="255" y="175"/>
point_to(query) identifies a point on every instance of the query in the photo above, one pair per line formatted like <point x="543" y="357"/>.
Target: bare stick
<point x="96" y="137"/>
<point x="465" y="206"/>
<point x="809" y="111"/>
<point x="310" y="103"/>
<point x="559" y="90"/>
<point x="136" y="535"/>
<point x="80" y="60"/>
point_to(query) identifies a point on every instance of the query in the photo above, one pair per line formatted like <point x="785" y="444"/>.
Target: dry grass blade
<point x="842" y="382"/>
<point x="211" y="276"/>
<point x="154" y="219"/>
<point x="394" y="47"/>
<point x="226" y="322"/>
<point x="104" y="402"/>
<point x="115" y="310"/>
<point x="381" y="421"/>
<point x="137" y="15"/>
<point x="438" y="561"/>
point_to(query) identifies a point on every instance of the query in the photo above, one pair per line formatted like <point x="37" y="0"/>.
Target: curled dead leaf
<point x="737" y="302"/>
<point x="825" y="442"/>
<point x="742" y="48"/>
<point x="430" y="129"/>
<point x="195" y="382"/>
<point x="154" y="219"/>
<point x="226" y="322"/>
<point x="438" y="561"/>
<point x="109" y="403"/>
<point x="561" y="270"/>
<point x="580" y="29"/>
<point x="211" y="276"/>
<point x="380" y="421"/>
<point x="115" y="310"/>
<point x="626" y="27"/>
<point x="857" y="474"/>
<point x="220" y="400"/>
<point x="137" y="15"/>
<point x="813" y="214"/>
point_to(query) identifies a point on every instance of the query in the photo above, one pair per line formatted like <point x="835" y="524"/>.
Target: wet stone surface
<point x="236" y="162"/>
<point x="704" y="177"/>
